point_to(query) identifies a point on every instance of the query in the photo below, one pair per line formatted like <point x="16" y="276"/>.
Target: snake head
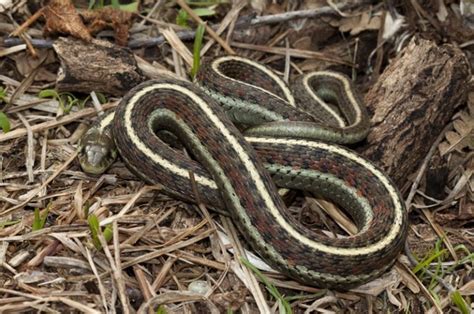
<point x="97" y="151"/>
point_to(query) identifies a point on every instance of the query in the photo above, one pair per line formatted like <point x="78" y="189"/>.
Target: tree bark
<point x="98" y="66"/>
<point x="410" y="104"/>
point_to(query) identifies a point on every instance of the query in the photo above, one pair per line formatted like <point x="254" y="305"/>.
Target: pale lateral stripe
<point x="347" y="89"/>
<point x="145" y="149"/>
<point x="374" y="247"/>
<point x="106" y="121"/>
<point x="288" y="94"/>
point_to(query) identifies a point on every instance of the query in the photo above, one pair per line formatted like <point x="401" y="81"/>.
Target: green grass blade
<point x="161" y="310"/>
<point x="425" y="263"/>
<point x="130" y="7"/>
<point x="197" y="50"/>
<point x="36" y="221"/>
<point x="285" y="306"/>
<point x="182" y="18"/>
<point x="115" y="4"/>
<point x="40" y="220"/>
<point x="8" y="223"/>
<point x="108" y="233"/>
<point x="4" y="122"/>
<point x="460" y="303"/>
<point x="91" y="4"/>
<point x="47" y="93"/>
<point x="3" y="94"/>
<point x="204" y="12"/>
<point x="94" y="227"/>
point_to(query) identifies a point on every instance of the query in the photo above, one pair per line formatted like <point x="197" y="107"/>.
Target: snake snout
<point x="97" y="152"/>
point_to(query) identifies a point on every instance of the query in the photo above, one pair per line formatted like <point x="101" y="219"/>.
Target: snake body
<point x="240" y="173"/>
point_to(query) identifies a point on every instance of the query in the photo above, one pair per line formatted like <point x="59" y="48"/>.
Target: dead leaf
<point x="61" y="17"/>
<point x="274" y="8"/>
<point x="25" y="64"/>
<point x="463" y="134"/>
<point x="393" y="299"/>
<point x="468" y="288"/>
<point x="378" y="285"/>
<point x="118" y="20"/>
<point x="258" y="5"/>
<point x="392" y="26"/>
<point x="230" y="300"/>
<point x="358" y="24"/>
<point x="408" y="278"/>
<point x="303" y="43"/>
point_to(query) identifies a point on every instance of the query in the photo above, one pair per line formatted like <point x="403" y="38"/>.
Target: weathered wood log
<point x="97" y="66"/>
<point x="410" y="104"/>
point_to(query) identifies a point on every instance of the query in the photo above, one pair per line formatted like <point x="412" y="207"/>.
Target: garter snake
<point x="281" y="146"/>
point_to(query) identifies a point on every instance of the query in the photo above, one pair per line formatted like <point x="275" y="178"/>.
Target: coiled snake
<point x="283" y="144"/>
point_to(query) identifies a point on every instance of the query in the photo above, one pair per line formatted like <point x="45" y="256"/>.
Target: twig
<point x="298" y="53"/>
<point x="159" y="252"/>
<point x="249" y="279"/>
<point x="143" y="283"/>
<point x="380" y="42"/>
<point x="145" y="189"/>
<point x="440" y="232"/>
<point x="155" y="8"/>
<point x="421" y="170"/>
<point x="231" y="17"/>
<point x="178" y="45"/>
<point x="55" y="123"/>
<point x="424" y="290"/>
<point x="38" y="43"/>
<point x="304" y="14"/>
<point x="30" y="148"/>
<point x="12" y="50"/>
<point x="28" y="23"/>
<point x="99" y="280"/>
<point x="115" y="266"/>
<point x="286" y="76"/>
<point x="419" y="9"/>
<point x="160" y="278"/>
<point x="211" y="32"/>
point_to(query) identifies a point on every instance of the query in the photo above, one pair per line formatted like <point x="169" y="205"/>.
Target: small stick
<point x="229" y="19"/>
<point x="28" y="22"/>
<point x="55" y="123"/>
<point x="424" y="165"/>
<point x="298" y="53"/>
<point x="30" y="148"/>
<point x="211" y="32"/>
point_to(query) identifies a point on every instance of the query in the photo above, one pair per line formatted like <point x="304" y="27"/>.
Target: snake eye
<point x="97" y="151"/>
